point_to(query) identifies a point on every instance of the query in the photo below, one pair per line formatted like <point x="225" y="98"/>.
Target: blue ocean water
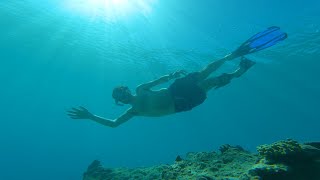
<point x="63" y="53"/>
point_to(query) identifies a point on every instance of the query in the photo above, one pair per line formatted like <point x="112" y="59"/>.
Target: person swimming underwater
<point x="187" y="91"/>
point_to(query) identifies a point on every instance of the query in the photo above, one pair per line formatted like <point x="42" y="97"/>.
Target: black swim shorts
<point x="186" y="93"/>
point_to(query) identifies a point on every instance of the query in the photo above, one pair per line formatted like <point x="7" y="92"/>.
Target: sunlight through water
<point x="111" y="10"/>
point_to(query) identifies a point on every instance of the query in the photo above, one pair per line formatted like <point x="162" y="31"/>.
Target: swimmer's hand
<point x="80" y="113"/>
<point x="178" y="74"/>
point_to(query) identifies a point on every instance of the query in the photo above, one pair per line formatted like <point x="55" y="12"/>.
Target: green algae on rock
<point x="281" y="151"/>
<point x="288" y="160"/>
<point x="282" y="160"/>
<point x="196" y="165"/>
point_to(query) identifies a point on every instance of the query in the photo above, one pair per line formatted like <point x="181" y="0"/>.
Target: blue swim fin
<point x="260" y="41"/>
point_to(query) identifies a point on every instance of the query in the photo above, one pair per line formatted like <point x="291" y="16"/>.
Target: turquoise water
<point x="59" y="54"/>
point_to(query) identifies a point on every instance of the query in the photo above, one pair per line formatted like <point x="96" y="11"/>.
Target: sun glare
<point x="111" y="9"/>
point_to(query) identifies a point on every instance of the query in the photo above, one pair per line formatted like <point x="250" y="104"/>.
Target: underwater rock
<point x="178" y="158"/>
<point x="96" y="171"/>
<point x="283" y="160"/>
<point x="290" y="151"/>
<point x="263" y="170"/>
<point x="288" y="160"/>
<point x="311" y="151"/>
<point x="281" y="151"/>
<point x="314" y="144"/>
<point x="226" y="147"/>
<point x="204" y="178"/>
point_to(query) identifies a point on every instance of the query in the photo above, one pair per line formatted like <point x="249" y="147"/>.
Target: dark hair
<point x="118" y="93"/>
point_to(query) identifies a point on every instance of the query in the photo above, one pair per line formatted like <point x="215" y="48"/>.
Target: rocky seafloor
<point x="282" y="160"/>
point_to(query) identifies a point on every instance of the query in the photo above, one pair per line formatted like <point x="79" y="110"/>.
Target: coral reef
<point x="282" y="151"/>
<point x="288" y="160"/>
<point x="281" y="160"/>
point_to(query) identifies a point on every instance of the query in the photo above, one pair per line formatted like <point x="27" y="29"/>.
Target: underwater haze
<point x="59" y="54"/>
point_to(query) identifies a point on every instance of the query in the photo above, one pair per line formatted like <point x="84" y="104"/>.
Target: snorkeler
<point x="187" y="91"/>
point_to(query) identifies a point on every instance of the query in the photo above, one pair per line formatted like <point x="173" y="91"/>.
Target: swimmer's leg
<point x="224" y="79"/>
<point x="210" y="68"/>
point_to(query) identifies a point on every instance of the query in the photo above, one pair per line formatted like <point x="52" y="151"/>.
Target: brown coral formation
<point x="288" y="160"/>
<point x="281" y="160"/>
<point x="282" y="151"/>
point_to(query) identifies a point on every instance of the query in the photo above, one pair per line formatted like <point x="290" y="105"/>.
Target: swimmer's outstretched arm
<point x="83" y="113"/>
<point x="161" y="80"/>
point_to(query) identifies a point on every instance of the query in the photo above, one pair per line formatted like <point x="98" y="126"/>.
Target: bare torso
<point x="153" y="103"/>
